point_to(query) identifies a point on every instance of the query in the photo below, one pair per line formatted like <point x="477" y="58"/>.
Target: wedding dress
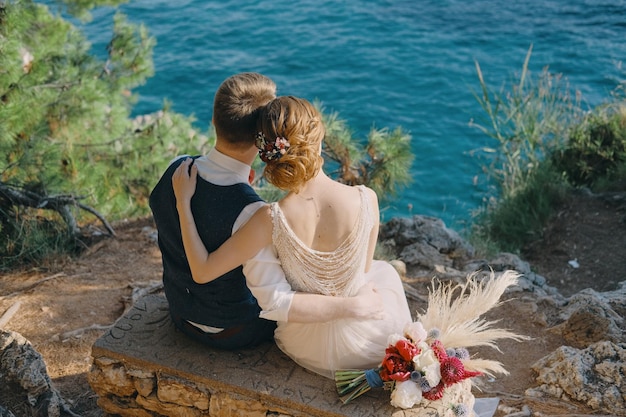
<point x="342" y="343"/>
<point x="360" y="344"/>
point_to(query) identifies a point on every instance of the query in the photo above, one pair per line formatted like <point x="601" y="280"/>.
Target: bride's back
<point x="323" y="214"/>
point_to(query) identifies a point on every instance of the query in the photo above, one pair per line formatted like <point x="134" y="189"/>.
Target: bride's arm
<point x="315" y="308"/>
<point x="241" y="246"/>
<point x="279" y="302"/>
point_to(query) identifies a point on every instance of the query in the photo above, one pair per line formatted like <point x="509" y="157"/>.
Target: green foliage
<point x="65" y="125"/>
<point x="81" y="8"/>
<point x="528" y="122"/>
<point x="26" y="239"/>
<point x="616" y="181"/>
<point x="546" y="145"/>
<point x="511" y="222"/>
<point x="57" y="102"/>
<point x="383" y="163"/>
<point x="596" y="151"/>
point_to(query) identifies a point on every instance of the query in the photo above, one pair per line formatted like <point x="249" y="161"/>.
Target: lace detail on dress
<point x="327" y="273"/>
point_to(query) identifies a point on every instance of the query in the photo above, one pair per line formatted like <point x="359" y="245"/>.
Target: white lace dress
<point x="344" y="343"/>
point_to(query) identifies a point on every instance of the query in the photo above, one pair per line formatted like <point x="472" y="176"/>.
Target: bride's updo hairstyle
<point x="289" y="141"/>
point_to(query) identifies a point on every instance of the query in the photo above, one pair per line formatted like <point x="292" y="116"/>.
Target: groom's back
<point x="226" y="301"/>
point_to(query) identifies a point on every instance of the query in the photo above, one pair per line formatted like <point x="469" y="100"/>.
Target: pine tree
<point x="382" y="163"/>
<point x="65" y="128"/>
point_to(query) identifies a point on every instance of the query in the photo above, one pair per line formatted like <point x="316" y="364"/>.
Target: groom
<point x="224" y="313"/>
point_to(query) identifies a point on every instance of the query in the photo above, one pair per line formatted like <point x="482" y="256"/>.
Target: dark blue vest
<point x="226" y="301"/>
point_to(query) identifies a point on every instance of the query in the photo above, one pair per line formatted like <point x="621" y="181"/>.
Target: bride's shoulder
<point x="370" y="195"/>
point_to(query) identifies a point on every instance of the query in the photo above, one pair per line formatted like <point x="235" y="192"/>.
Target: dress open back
<point x="343" y="343"/>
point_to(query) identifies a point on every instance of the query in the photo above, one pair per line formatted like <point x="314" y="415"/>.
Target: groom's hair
<point x="236" y="106"/>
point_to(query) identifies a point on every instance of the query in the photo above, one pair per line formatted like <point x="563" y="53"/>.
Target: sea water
<point x="382" y="64"/>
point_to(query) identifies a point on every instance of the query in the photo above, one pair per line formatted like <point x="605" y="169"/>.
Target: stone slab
<point x="146" y="338"/>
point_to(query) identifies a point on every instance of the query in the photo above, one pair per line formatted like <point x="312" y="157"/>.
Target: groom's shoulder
<point x="163" y="190"/>
<point x="174" y="163"/>
<point x="166" y="177"/>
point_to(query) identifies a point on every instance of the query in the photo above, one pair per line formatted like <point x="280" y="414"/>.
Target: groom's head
<point x="236" y="107"/>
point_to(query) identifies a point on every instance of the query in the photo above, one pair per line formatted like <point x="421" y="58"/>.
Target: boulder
<point x="25" y="381"/>
<point x="595" y="376"/>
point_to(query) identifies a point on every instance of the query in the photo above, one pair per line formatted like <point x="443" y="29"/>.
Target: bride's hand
<point x="369" y="304"/>
<point x="184" y="181"/>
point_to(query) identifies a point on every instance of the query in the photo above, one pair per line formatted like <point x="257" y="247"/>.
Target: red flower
<point x="435" y="393"/>
<point x="439" y="350"/>
<point x="394" y="366"/>
<point x="453" y="371"/>
<point x="407" y="349"/>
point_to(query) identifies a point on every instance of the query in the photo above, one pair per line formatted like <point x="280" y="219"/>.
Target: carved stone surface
<point x="144" y="367"/>
<point x="145" y="341"/>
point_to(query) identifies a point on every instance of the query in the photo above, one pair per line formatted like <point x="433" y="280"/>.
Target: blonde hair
<point x="236" y="106"/>
<point x="299" y="122"/>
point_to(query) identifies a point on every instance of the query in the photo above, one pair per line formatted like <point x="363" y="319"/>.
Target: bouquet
<point x="420" y="364"/>
<point x="416" y="365"/>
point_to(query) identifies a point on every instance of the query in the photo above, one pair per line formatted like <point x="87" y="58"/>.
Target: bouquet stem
<point x="353" y="383"/>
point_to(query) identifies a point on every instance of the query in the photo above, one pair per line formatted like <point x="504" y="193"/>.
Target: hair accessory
<point x="271" y="150"/>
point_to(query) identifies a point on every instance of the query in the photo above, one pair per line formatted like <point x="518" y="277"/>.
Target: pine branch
<point x="59" y="86"/>
<point x="58" y="203"/>
<point x="33" y="285"/>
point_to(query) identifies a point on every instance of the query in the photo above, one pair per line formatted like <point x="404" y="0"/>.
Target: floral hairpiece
<point x="271" y="150"/>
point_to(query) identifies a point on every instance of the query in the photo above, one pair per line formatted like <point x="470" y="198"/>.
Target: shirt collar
<point x="227" y="163"/>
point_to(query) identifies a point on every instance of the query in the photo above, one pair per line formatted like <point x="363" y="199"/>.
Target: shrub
<point x="66" y="131"/>
<point x="511" y="222"/>
<point x="596" y="150"/>
<point x="528" y="122"/>
<point x="546" y="146"/>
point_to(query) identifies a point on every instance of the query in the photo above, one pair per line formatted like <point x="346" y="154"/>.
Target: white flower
<point x="427" y="362"/>
<point x="393" y="339"/>
<point x="415" y="331"/>
<point x="406" y="394"/>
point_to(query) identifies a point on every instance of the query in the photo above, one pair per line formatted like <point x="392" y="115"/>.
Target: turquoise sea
<point x="382" y="63"/>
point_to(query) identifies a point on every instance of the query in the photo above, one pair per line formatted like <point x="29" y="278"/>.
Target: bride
<point x="324" y="235"/>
